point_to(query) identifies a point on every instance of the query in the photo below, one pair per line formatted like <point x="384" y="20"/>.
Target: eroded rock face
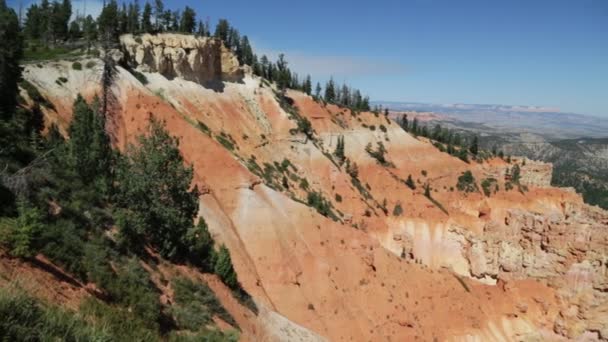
<point x="198" y="59"/>
<point x="566" y="250"/>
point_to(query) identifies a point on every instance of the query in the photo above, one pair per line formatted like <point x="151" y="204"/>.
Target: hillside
<point x="333" y="251"/>
<point x="578" y="161"/>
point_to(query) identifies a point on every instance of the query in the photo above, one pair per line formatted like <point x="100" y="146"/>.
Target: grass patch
<point x="195" y="305"/>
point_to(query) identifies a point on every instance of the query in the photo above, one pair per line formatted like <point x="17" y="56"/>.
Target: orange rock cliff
<point x="392" y="264"/>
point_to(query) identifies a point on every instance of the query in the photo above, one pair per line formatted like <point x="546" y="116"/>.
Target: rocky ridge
<point x="528" y="265"/>
<point x="198" y="59"/>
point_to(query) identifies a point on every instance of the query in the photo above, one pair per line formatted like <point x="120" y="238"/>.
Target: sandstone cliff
<point x="198" y="59"/>
<point x="511" y="266"/>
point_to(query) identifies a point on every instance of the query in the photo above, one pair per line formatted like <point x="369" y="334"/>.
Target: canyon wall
<point x="198" y="59"/>
<point x="392" y="263"/>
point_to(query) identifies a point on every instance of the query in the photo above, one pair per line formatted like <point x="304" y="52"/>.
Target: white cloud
<point x="323" y="66"/>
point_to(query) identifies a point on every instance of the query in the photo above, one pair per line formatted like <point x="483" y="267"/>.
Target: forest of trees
<point x="447" y="140"/>
<point x="48" y="23"/>
<point x="63" y="197"/>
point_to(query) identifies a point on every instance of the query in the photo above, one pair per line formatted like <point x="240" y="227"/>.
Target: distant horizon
<point x="450" y="105"/>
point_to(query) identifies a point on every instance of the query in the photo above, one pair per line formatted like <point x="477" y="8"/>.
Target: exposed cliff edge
<point x="522" y="264"/>
<point x="197" y="59"/>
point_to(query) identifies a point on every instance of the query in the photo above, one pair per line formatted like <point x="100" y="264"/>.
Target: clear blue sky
<point x="550" y="53"/>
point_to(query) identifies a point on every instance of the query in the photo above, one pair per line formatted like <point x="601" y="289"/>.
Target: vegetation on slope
<point x="98" y="215"/>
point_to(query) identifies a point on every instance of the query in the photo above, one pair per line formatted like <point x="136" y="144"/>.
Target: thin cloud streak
<point x="320" y="66"/>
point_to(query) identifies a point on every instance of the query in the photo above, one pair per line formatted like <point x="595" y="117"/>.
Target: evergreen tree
<point x="386" y="112"/>
<point x="245" y="52"/>
<point x="404" y="123"/>
<point x="175" y="21"/>
<point x="345" y="96"/>
<point x="108" y="22"/>
<point x="203" y="29"/>
<point x="410" y="182"/>
<point x="75" y="31"/>
<point x="330" y="91"/>
<point x="11" y="50"/>
<point x="223" y="268"/>
<point x="154" y="194"/>
<point x="339" y="152"/>
<point x="188" y="21"/>
<point x="89" y="145"/>
<point x="307" y="86"/>
<point x="474" y="149"/>
<point x="283" y="77"/>
<point x="415" y="126"/>
<point x="146" y="19"/>
<point x="34" y="22"/>
<point x="318" y="91"/>
<point x="159" y="11"/>
<point x="222" y="29"/>
<point x="133" y="17"/>
<point x="427" y="190"/>
<point x="89" y="28"/>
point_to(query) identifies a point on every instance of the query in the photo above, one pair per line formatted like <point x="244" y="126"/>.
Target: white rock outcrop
<point x="197" y="59"/>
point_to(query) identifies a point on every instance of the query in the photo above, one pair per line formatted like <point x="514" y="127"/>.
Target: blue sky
<point x="550" y="53"/>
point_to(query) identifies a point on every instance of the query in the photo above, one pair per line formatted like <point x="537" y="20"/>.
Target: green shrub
<point x="321" y="205"/>
<point x="226" y="141"/>
<point x="21" y="234"/>
<point x="466" y="182"/>
<point x="489" y="186"/>
<point x="398" y="210"/>
<point x="383" y="128"/>
<point x="154" y="194"/>
<point x="338" y="198"/>
<point x="35" y="95"/>
<point x="223" y="268"/>
<point x="90" y="64"/>
<point x="379" y="154"/>
<point x="410" y="182"/>
<point x="77" y="66"/>
<point x="139" y="76"/>
<point x="195" y="305"/>
<point x="26" y="319"/>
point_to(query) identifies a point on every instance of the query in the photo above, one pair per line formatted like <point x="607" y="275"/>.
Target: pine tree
<point x="146" y="19"/>
<point x="427" y="190"/>
<point x="89" y="28"/>
<point x="175" y="20"/>
<point x="223" y="268"/>
<point x="188" y="20"/>
<point x="34" y="22"/>
<point x="410" y="182"/>
<point x="108" y="22"/>
<point x="474" y="149"/>
<point x="404" y="123"/>
<point x="245" y="52"/>
<point x="133" y="17"/>
<point x="89" y="145"/>
<point x="159" y="11"/>
<point x="339" y="152"/>
<point x="283" y="77"/>
<point x="221" y="30"/>
<point x="11" y="51"/>
<point x="153" y="190"/>
<point x="415" y="127"/>
<point x="75" y="31"/>
<point x="330" y="91"/>
<point x="318" y="91"/>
